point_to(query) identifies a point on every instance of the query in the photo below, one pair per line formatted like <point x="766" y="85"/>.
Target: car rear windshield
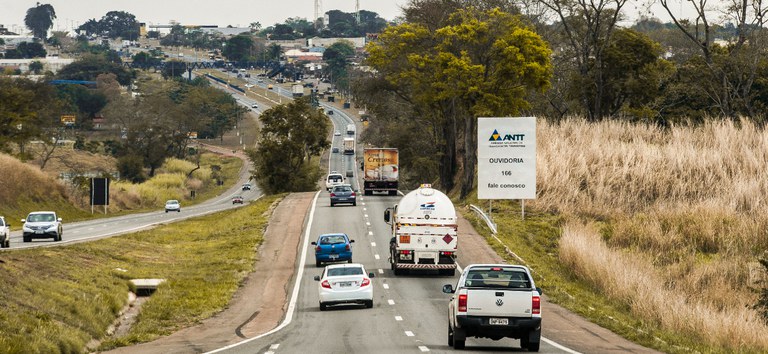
<point x="342" y="189"/>
<point x="498" y="278"/>
<point x="329" y="240"/>
<point x="335" y="272"/>
<point x="335" y="178"/>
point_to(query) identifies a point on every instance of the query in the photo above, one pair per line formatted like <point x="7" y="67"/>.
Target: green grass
<point x="58" y="299"/>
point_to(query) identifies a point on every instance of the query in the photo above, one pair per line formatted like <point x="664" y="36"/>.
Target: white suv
<point x="334" y="179"/>
<point x="42" y="224"/>
<point x="5" y="233"/>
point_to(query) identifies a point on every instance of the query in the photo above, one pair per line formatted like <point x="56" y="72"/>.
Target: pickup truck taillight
<point x="462" y="302"/>
<point x="536" y="305"/>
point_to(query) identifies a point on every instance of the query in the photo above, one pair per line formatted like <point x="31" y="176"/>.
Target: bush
<point x="131" y="168"/>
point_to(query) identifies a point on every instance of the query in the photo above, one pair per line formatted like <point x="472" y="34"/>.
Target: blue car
<point x="333" y="248"/>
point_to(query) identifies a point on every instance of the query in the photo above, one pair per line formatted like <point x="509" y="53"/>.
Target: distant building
<point x="53" y="64"/>
<point x="287" y="44"/>
<point x="357" y="42"/>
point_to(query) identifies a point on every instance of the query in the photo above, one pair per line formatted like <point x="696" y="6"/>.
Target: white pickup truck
<point x="495" y="301"/>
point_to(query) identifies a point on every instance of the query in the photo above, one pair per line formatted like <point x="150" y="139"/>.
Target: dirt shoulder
<point x="260" y="303"/>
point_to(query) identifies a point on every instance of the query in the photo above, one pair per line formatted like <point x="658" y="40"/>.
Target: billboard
<point x="506" y="158"/>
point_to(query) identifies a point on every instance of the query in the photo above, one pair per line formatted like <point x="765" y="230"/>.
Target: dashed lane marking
<point x="365" y="215"/>
<point x="370" y="233"/>
<point x="381" y="271"/>
<point x="391" y="302"/>
<point x="409" y="333"/>
<point x="386" y="286"/>
<point x="274" y="346"/>
<point x="376" y="256"/>
<point x="373" y="244"/>
<point x="423" y="348"/>
<point x="398" y="318"/>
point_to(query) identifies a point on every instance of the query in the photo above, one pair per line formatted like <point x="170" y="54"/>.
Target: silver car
<point x="343" y="194"/>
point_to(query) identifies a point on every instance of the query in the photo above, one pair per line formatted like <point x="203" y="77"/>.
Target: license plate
<point x="345" y="284"/>
<point x="333" y="256"/>
<point x="39" y="232"/>
<point x="498" y="321"/>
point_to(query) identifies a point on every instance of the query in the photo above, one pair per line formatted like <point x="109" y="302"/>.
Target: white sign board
<point x="506" y="158"/>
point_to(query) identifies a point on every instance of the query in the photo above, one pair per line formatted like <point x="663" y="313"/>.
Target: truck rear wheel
<point x="459" y="338"/>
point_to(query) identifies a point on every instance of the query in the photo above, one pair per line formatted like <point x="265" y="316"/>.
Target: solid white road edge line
<point x="295" y="294"/>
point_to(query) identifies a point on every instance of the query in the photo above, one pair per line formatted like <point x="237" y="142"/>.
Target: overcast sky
<point x="238" y="13"/>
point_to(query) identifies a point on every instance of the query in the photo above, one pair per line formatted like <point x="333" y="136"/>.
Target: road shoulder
<point x="260" y="303"/>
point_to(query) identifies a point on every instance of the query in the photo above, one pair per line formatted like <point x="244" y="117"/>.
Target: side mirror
<point x="317" y="278"/>
<point x="448" y="289"/>
<point x="59" y="219"/>
<point x="371" y="275"/>
<point x="23" y="220"/>
<point x="351" y="241"/>
<point x="386" y="216"/>
<point x="539" y="290"/>
<point x="313" y="243"/>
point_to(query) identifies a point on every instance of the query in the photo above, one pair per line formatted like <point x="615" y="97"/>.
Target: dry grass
<point x="682" y="217"/>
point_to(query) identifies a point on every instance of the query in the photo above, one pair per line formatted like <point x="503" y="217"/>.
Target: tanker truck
<point x="424" y="232"/>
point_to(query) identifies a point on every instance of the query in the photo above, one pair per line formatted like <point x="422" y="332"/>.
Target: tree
<point x="732" y="68"/>
<point x="336" y="59"/>
<point x="39" y="20"/>
<point x="145" y="60"/>
<point x="27" y="50"/>
<point x="291" y="135"/>
<point x="28" y="110"/>
<point x="174" y="69"/>
<point x="36" y="67"/>
<point x="119" y="24"/>
<point x="89" y="66"/>
<point x="274" y="51"/>
<point x="585" y="29"/>
<point x="90" y="28"/>
<point x="239" y="48"/>
<point x="479" y="64"/>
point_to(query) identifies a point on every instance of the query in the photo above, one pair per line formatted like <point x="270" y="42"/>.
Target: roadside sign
<point x="506" y="158"/>
<point x="68" y="119"/>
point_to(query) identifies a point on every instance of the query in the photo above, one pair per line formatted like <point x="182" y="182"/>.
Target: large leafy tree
<point x="479" y="63"/>
<point x="239" y="48"/>
<point x="115" y="24"/>
<point x="28" y="111"/>
<point x="291" y="135"/>
<point x="336" y="58"/>
<point x="39" y="20"/>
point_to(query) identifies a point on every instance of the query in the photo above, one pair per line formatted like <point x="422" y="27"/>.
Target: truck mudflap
<point x="424" y="266"/>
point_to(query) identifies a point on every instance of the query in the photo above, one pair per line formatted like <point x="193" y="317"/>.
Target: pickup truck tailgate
<point x="499" y="302"/>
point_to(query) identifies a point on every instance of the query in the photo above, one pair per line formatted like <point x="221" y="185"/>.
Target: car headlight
<point x="26" y="228"/>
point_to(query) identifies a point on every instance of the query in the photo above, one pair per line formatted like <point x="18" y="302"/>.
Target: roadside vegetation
<point x="654" y="233"/>
<point x="68" y="296"/>
<point x="26" y="188"/>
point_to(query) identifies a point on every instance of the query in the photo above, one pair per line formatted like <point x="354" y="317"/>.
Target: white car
<point x="172" y="205"/>
<point x="5" y="233"/>
<point x="254" y="106"/>
<point x="334" y="179"/>
<point x="345" y="284"/>
<point x="41" y="224"/>
<point x="337" y="133"/>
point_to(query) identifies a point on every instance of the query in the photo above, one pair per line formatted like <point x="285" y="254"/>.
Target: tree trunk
<point x="447" y="169"/>
<point x="470" y="156"/>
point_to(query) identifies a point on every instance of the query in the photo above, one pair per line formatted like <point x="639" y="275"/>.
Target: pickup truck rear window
<point x="498" y="279"/>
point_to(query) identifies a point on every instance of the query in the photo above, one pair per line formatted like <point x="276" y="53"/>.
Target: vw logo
<point x="499" y="302"/>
